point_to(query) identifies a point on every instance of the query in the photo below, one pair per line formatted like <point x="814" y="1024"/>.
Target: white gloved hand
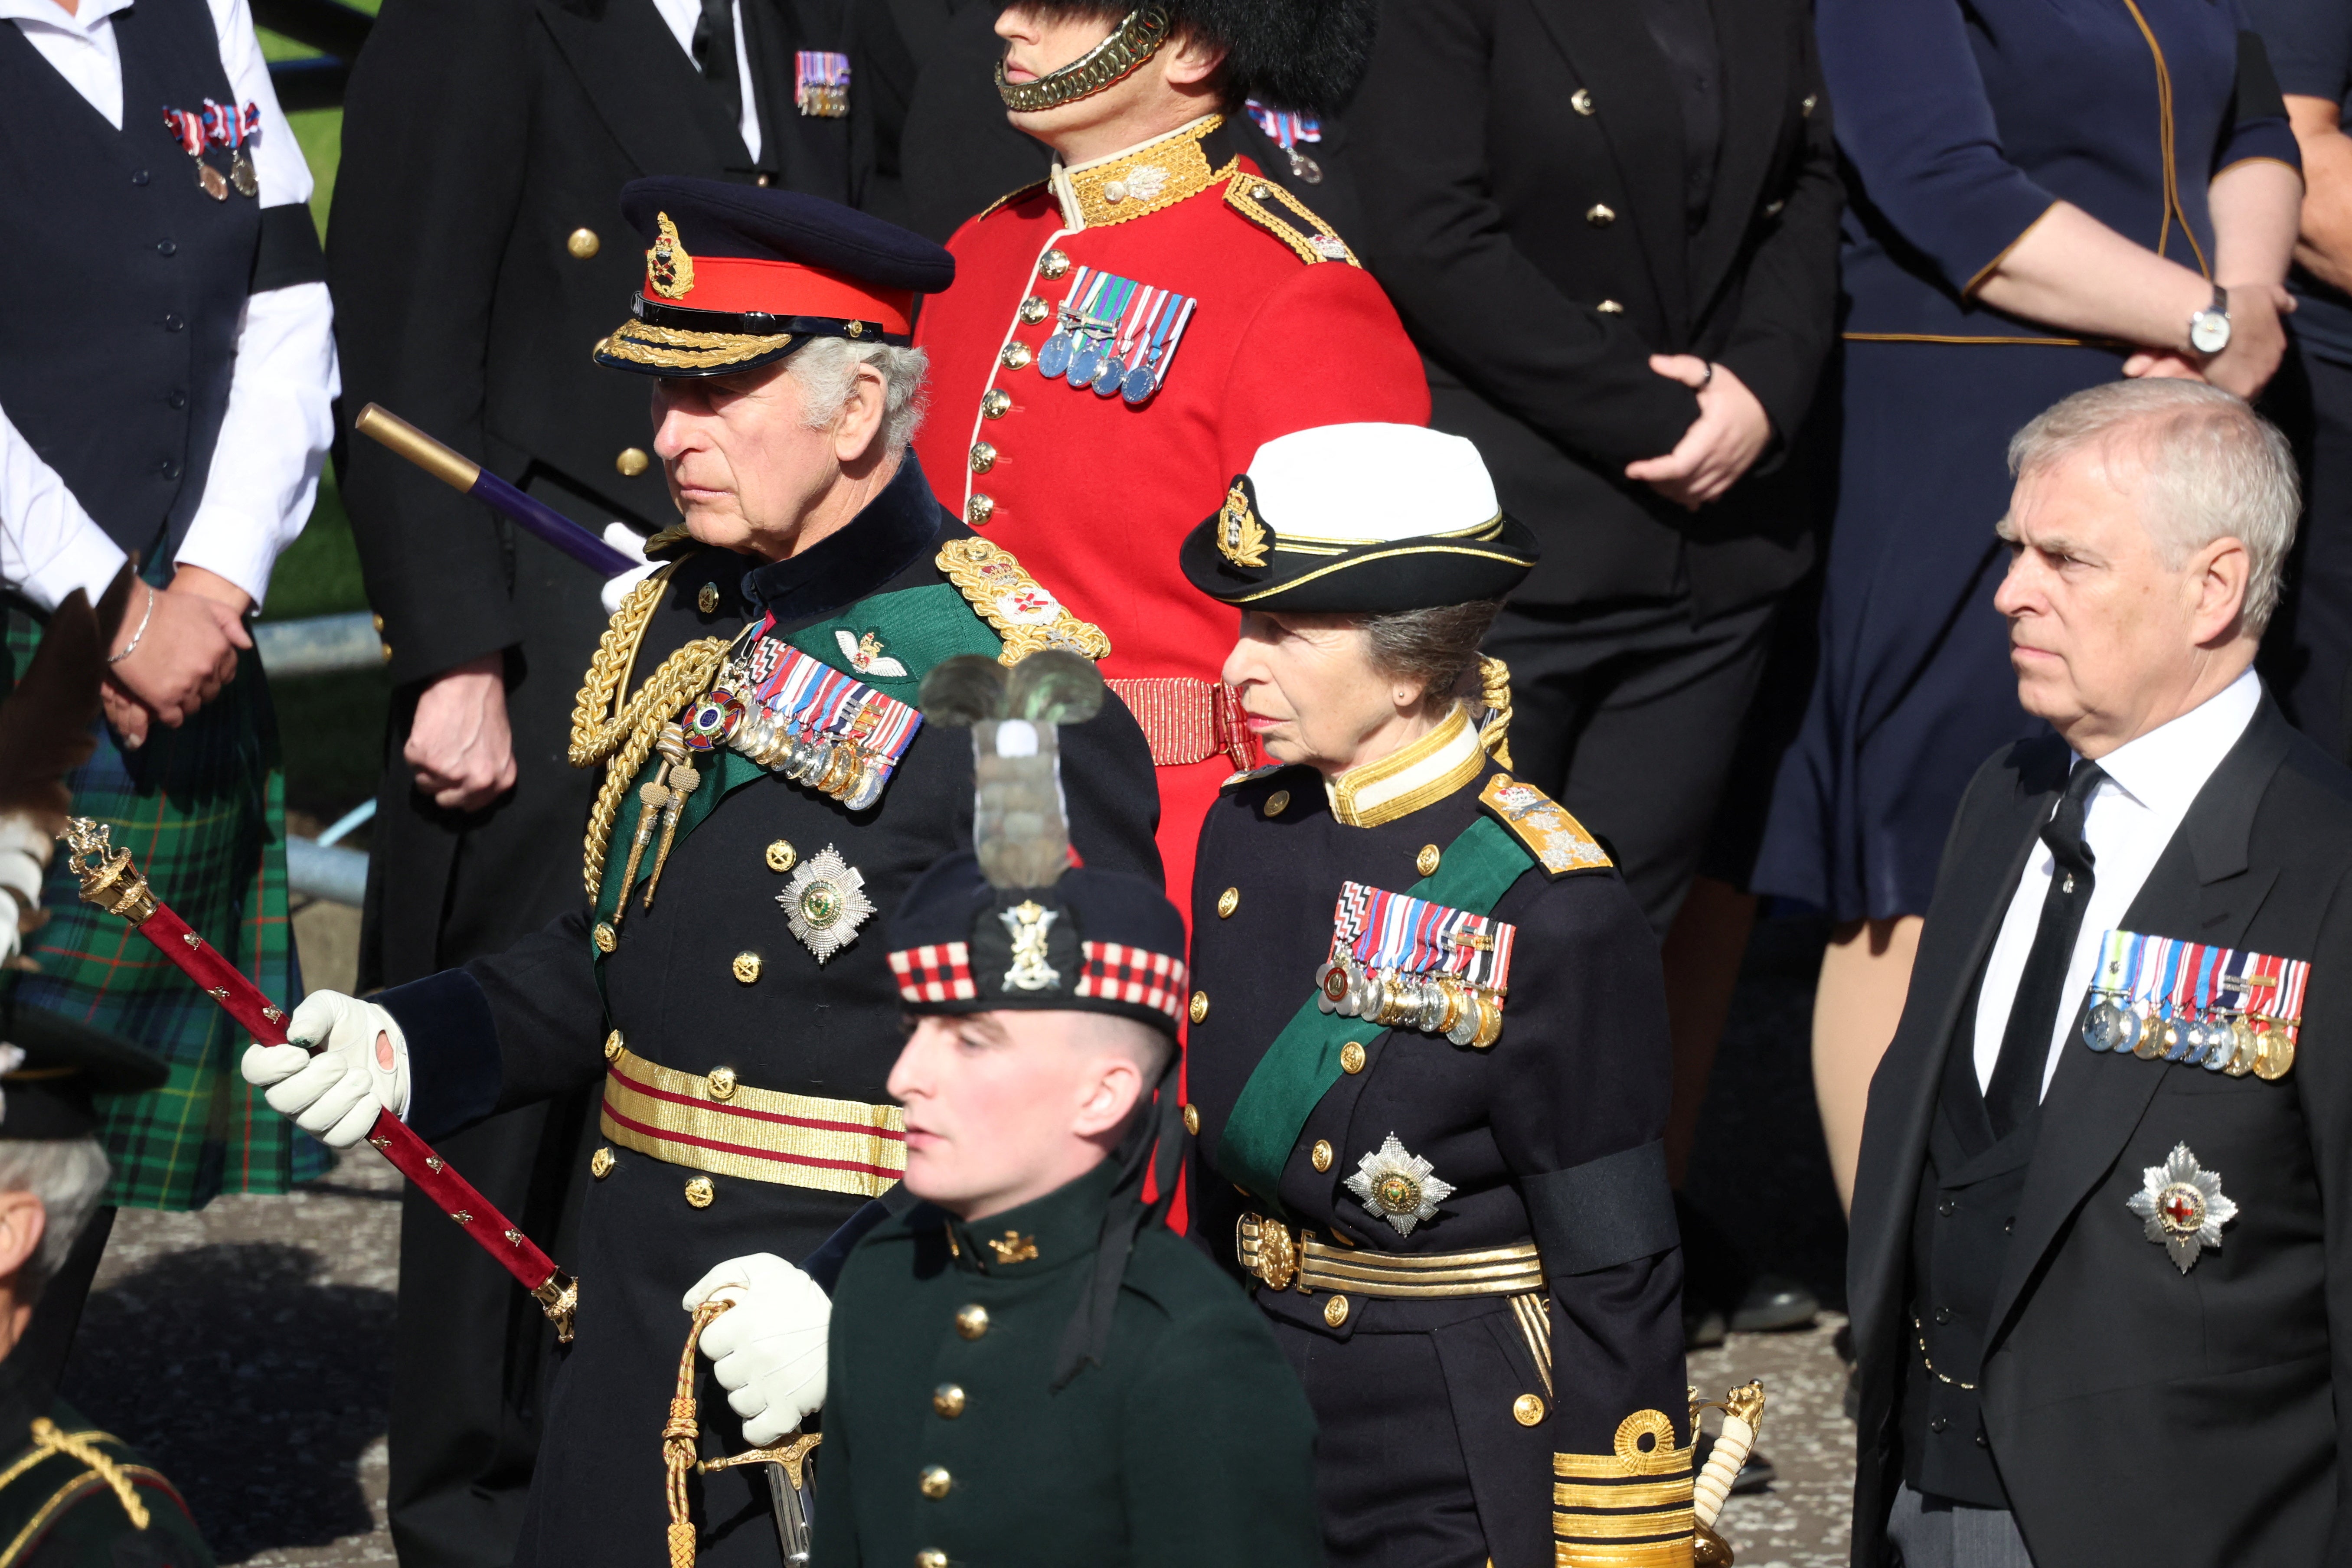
<point x="768" y="1351"/>
<point x="336" y="1094"/>
<point x="24" y="852"/>
<point x="632" y="543"/>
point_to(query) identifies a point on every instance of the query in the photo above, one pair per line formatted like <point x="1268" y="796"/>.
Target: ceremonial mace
<point x="110" y="881"/>
<point x="466" y="477"/>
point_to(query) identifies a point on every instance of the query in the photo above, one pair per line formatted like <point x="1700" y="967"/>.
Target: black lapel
<point x="1752" y="43"/>
<point x="1611" y="53"/>
<point x="1909" y="1078"/>
<point x="646" y="91"/>
<point x="2203" y="890"/>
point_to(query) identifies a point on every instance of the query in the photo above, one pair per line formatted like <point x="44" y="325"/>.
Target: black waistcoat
<point x="124" y="280"/>
<point x="1959" y="1238"/>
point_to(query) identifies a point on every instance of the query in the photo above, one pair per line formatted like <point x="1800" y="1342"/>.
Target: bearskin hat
<point x="1302" y="54"/>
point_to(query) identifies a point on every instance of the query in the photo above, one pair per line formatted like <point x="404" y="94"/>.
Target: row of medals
<point x="2236" y="1044"/>
<point x="1465" y="1014"/>
<point x="839" y="767"/>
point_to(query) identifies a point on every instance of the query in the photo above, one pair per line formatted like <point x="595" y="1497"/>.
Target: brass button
<point x="1580" y="101"/>
<point x="766" y="179"/>
<point x="1261" y="193"/>
<point x="1335" y="1311"/>
<point x="1609" y="308"/>
<point x="855" y="331"/>
<point x="1527" y="1410"/>
<point x="1052" y="264"/>
<point x="1277" y="802"/>
<point x="983" y="457"/>
<point x="722" y="1083"/>
<point x="1599" y="215"/>
<point x="1015" y="356"/>
<point x="632" y="462"/>
<point x="1321" y="1155"/>
<point x="1034" y="310"/>
<point x="979" y="509"/>
<point x="699" y="1191"/>
<point x="1772" y="209"/>
<point x="948" y="1400"/>
<point x="379" y="622"/>
<point x="1227" y="903"/>
<point x="936" y="1482"/>
<point x="782" y="857"/>
<point x="584" y="243"/>
<point x="972" y="1321"/>
<point x="1426" y="861"/>
<point x="387" y="653"/>
<point x="612" y="1047"/>
<point x="1199" y="1008"/>
<point x="747" y="967"/>
<point x="1351" y="1056"/>
<point x="1193" y="1119"/>
<point x="1811" y="102"/>
<point x="931" y="1557"/>
<point x="604" y="937"/>
<point x="600" y="1164"/>
<point x="995" y="403"/>
<point x="707" y="599"/>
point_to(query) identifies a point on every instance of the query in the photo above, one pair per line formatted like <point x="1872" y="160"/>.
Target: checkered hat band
<point x="1117" y="973"/>
<point x="937" y="972"/>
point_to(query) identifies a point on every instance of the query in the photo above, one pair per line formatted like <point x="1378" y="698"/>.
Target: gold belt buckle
<point x="1265" y="1248"/>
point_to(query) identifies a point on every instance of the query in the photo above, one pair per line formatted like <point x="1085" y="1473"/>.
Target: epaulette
<point x="1009" y="196"/>
<point x="1024" y="611"/>
<point x="1287" y="219"/>
<point x="669" y="544"/>
<point x="1557" y="840"/>
<point x="1246" y="774"/>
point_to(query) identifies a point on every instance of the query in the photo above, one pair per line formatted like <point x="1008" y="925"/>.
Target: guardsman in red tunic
<point x="1128" y="332"/>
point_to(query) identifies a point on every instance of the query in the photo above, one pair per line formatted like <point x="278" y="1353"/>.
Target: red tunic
<point x="1093" y="494"/>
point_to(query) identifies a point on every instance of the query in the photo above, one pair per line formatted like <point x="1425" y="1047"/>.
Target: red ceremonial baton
<point x="110" y="881"/>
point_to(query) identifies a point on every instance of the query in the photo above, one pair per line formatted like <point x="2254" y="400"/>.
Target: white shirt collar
<point x="2164" y="769"/>
<point x="49" y="14"/>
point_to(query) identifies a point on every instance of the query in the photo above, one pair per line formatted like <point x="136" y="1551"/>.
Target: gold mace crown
<point x="108" y="878"/>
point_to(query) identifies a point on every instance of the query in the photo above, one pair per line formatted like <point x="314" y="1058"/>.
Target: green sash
<point x="1303" y="1063"/>
<point x="920" y="628"/>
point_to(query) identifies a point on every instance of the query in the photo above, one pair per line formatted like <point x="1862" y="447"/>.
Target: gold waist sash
<point x="732" y="1130"/>
<point x="1281" y="1258"/>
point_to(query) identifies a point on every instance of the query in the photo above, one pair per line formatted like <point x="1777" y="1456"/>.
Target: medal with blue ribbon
<point x="2161" y="998"/>
<point x="1398" y="960"/>
<point x="806" y="719"/>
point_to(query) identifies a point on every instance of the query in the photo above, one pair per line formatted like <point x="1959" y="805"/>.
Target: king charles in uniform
<point x="1123" y="336"/>
<point x="768" y="784"/>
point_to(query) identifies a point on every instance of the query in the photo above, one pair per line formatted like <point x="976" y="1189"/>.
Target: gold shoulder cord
<point x="621" y="734"/>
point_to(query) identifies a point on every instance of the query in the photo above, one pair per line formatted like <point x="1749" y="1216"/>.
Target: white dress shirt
<point x="2150" y="785"/>
<point x="274" y="431"/>
<point x="684" y="17"/>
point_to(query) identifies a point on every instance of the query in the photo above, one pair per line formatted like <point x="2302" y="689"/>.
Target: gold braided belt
<point x="1281" y="1259"/>
<point x="711" y="1122"/>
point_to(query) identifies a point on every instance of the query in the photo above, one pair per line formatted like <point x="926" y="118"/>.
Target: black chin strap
<point x="1154" y="1141"/>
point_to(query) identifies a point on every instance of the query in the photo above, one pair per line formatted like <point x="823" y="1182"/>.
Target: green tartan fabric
<point x="203" y="811"/>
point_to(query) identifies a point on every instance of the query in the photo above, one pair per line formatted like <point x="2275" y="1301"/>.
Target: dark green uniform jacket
<point x="59" y="1509"/>
<point x="945" y="1443"/>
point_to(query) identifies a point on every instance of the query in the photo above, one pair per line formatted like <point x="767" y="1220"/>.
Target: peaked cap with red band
<point x="740" y="276"/>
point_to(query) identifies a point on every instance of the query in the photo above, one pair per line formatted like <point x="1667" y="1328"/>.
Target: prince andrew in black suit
<point x="2101" y="1270"/>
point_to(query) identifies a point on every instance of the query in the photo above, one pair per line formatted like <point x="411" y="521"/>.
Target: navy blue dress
<point x="1960" y="126"/>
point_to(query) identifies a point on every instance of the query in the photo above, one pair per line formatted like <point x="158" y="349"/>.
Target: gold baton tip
<point x="451" y="467"/>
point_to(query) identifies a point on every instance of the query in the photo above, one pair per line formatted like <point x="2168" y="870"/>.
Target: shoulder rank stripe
<point x="1288" y="219"/>
<point x="1557" y="840"/>
<point x="1024" y="611"/>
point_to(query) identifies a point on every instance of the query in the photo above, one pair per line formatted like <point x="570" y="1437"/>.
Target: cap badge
<point x="2183" y="1207"/>
<point x="669" y="270"/>
<point x="1241" y="538"/>
<point x="1398" y="1188"/>
<point x="826" y="902"/>
<point x="1028" y="921"/>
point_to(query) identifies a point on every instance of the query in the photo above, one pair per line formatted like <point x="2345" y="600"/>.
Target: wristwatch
<point x="2208" y="329"/>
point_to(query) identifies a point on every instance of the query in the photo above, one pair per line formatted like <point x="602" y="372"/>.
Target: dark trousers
<point x="2308" y="652"/>
<point x="1628" y="714"/>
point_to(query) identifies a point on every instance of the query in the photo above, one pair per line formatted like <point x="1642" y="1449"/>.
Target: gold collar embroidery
<point x="1143" y="179"/>
<point x="1420" y="775"/>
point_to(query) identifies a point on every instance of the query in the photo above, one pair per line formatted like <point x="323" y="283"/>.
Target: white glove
<point x="632" y="543"/>
<point x="768" y="1351"/>
<point x="336" y="1094"/>
<point x="23" y="864"/>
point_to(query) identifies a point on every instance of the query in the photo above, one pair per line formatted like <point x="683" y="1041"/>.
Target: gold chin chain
<point x="605" y="729"/>
<point x="1135" y="40"/>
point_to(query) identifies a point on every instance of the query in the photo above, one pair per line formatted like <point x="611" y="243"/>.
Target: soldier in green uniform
<point x="1027" y="1367"/>
<point x="69" y="1495"/>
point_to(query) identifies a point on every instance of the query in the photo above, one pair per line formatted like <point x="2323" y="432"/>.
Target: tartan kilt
<point x="203" y="811"/>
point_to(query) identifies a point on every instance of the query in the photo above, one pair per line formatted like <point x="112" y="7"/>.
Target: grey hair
<point x="826" y="369"/>
<point x="1436" y="645"/>
<point x="68" y="1174"/>
<point x="2216" y="469"/>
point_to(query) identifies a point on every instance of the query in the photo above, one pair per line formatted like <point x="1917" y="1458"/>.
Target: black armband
<point x="1604" y="1212"/>
<point x="289" y="252"/>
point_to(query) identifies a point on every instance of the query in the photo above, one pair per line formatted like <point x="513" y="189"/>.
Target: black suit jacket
<point x="1484" y="187"/>
<point x="2136" y="1413"/>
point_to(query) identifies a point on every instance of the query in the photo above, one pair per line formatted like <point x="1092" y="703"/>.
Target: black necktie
<point x="714" y="51"/>
<point x="2016" y="1086"/>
